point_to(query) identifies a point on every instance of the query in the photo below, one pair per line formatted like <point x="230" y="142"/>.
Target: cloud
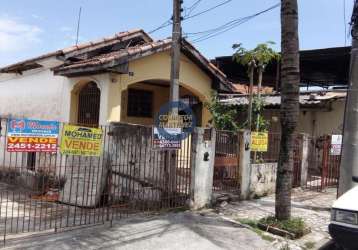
<point x="16" y="36"/>
<point x="65" y="29"/>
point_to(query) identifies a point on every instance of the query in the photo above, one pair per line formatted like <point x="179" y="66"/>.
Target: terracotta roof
<point x="127" y="53"/>
<point x="305" y="99"/>
<point x="122" y="56"/>
<point x="112" y="54"/>
<point x="24" y="65"/>
<point x="244" y="89"/>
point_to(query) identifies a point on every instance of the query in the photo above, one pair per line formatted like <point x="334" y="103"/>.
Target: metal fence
<point x="323" y="167"/>
<point x="323" y="170"/>
<point x="51" y="191"/>
<point x="226" y="167"/>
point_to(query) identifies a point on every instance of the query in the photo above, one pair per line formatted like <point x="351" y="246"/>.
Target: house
<point x="324" y="81"/>
<point x="123" y="78"/>
<point x="321" y="112"/>
<point x="318" y="67"/>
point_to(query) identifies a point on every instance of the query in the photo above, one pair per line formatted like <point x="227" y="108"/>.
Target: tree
<point x="224" y="117"/>
<point x="290" y="78"/>
<point x="246" y="57"/>
<point x="258" y="57"/>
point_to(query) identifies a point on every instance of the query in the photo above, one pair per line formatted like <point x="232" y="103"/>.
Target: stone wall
<point x="262" y="179"/>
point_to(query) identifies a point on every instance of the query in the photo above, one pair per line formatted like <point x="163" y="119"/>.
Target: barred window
<point x="140" y="103"/>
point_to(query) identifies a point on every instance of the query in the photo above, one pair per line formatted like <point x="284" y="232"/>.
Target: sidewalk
<point x="313" y="207"/>
<point x="187" y="230"/>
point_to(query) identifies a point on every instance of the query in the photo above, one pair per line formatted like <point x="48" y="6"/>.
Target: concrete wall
<point x="41" y="95"/>
<point x="315" y="122"/>
<point x="36" y="94"/>
<point x="262" y="179"/>
<point x="156" y="69"/>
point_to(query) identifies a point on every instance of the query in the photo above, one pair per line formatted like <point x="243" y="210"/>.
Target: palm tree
<point x="290" y="78"/>
<point x="258" y="58"/>
<point x="247" y="57"/>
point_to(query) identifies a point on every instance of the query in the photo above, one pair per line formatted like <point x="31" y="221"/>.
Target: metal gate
<point x="226" y="167"/>
<point x="49" y="192"/>
<point x="323" y="171"/>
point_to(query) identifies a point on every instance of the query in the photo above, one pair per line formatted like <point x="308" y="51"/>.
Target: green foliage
<point x="225" y="117"/>
<point x="261" y="55"/>
<point x="293" y="225"/>
<point x="310" y="244"/>
<point x="285" y="247"/>
<point x="254" y="228"/>
<point x="259" y="122"/>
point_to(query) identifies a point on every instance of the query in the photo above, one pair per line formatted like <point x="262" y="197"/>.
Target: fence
<point x="322" y="166"/>
<point x="323" y="171"/>
<point x="45" y="191"/>
<point x="226" y="167"/>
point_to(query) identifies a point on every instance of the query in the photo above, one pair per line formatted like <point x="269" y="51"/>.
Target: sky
<point x="29" y="28"/>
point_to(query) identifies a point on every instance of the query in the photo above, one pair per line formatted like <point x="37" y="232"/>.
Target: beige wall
<point x="315" y="122"/>
<point x="156" y="69"/>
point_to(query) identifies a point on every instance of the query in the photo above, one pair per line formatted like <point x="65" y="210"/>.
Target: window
<point x="140" y="103"/>
<point x="88" y="105"/>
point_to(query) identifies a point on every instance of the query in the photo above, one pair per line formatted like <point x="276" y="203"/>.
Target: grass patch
<point x="285" y="247"/>
<point x="254" y="228"/>
<point x="310" y="245"/>
<point x="294" y="225"/>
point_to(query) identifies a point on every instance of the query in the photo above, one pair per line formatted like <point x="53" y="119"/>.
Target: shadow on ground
<point x="172" y="231"/>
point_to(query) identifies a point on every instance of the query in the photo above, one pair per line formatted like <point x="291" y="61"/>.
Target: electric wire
<point x="168" y="22"/>
<point x="207" y="34"/>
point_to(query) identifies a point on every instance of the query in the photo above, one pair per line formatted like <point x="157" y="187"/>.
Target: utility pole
<point x="171" y="159"/>
<point x="175" y="53"/>
<point x="349" y="161"/>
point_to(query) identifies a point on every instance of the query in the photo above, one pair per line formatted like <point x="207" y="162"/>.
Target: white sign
<point x="160" y="142"/>
<point x="336" y="145"/>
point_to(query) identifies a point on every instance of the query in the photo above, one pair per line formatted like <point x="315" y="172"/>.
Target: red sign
<point x="26" y="135"/>
<point x="31" y="144"/>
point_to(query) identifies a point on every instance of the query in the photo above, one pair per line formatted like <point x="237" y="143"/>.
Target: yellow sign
<point x="81" y="141"/>
<point x="259" y="141"/>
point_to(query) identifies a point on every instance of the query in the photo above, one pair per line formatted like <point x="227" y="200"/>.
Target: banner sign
<point x="81" y="141"/>
<point x="259" y="141"/>
<point x="26" y="135"/>
<point x="336" y="145"/>
<point x="160" y="142"/>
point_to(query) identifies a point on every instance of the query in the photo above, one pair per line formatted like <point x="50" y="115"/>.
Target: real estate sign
<point x="81" y="141"/>
<point x="24" y="135"/>
<point x="161" y="142"/>
<point x="259" y="141"/>
<point x="336" y="145"/>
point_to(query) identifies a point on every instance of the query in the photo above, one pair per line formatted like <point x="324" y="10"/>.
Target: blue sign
<point x="33" y="128"/>
<point x="185" y="120"/>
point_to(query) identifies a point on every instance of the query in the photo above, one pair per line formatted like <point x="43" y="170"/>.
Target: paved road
<point x="186" y="230"/>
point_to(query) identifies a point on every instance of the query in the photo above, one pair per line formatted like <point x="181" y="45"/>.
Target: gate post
<point x="202" y="158"/>
<point x="245" y="163"/>
<point x="304" y="158"/>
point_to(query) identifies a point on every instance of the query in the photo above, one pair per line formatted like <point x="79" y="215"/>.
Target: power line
<point x="164" y="25"/>
<point x="207" y="34"/>
<point x="193" y="7"/>
<point x="207" y="10"/>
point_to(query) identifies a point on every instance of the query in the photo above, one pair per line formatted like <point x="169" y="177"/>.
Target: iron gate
<point x="51" y="192"/>
<point x="323" y="171"/>
<point x="226" y="166"/>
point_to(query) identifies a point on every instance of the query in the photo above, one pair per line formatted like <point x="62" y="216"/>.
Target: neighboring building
<point x="324" y="80"/>
<point x="122" y="78"/>
<point x="321" y="113"/>
<point x="318" y="67"/>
